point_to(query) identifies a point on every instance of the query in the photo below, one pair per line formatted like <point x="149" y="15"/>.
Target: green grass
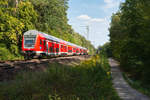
<point x="90" y="80"/>
<point x="137" y="85"/>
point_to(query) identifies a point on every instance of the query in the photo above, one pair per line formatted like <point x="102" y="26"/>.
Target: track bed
<point x="8" y="69"/>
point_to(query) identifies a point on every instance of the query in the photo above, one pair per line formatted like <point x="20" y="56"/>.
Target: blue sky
<point x="93" y="13"/>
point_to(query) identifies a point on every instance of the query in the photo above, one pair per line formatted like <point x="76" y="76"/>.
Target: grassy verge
<point x="90" y="80"/>
<point x="137" y="85"/>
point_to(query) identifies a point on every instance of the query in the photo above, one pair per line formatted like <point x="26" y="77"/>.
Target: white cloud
<point x="89" y="19"/>
<point x="84" y="17"/>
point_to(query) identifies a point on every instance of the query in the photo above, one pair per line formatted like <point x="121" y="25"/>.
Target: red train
<point x="39" y="44"/>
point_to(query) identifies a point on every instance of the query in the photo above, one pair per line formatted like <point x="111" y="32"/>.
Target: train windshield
<point x="29" y="40"/>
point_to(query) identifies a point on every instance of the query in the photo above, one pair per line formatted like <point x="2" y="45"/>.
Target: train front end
<point x="29" y="44"/>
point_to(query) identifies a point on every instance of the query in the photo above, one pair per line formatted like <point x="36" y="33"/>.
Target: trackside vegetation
<point x="130" y="40"/>
<point x="91" y="80"/>
<point x="137" y="85"/>
<point x="49" y="16"/>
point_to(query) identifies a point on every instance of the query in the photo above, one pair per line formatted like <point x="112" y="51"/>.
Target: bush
<point x="88" y="81"/>
<point x="14" y="49"/>
<point x="6" y="54"/>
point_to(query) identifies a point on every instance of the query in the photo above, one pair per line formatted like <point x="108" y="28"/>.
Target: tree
<point x="13" y="25"/>
<point x="130" y="37"/>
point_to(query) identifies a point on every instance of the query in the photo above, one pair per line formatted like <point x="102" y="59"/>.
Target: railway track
<point x="10" y="68"/>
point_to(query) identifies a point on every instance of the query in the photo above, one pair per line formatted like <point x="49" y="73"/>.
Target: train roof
<point x="50" y="37"/>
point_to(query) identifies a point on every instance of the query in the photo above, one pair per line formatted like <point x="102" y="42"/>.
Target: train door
<point x="62" y="50"/>
<point x="44" y="45"/>
<point x="77" y="51"/>
<point x="74" y="51"/>
<point x="65" y="49"/>
<point x="54" y="45"/>
<point x="52" y="48"/>
<point x="41" y="45"/>
<point x="57" y="48"/>
<point x="69" y="50"/>
<point x="47" y="47"/>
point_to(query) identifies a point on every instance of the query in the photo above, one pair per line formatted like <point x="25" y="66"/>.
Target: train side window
<point x="61" y="46"/>
<point x="40" y="41"/>
<point x="44" y="42"/>
<point x="57" y="49"/>
<point x="70" y="51"/>
<point x="51" y="49"/>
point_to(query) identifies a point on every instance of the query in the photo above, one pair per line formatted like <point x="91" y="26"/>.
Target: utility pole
<point x="88" y="31"/>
